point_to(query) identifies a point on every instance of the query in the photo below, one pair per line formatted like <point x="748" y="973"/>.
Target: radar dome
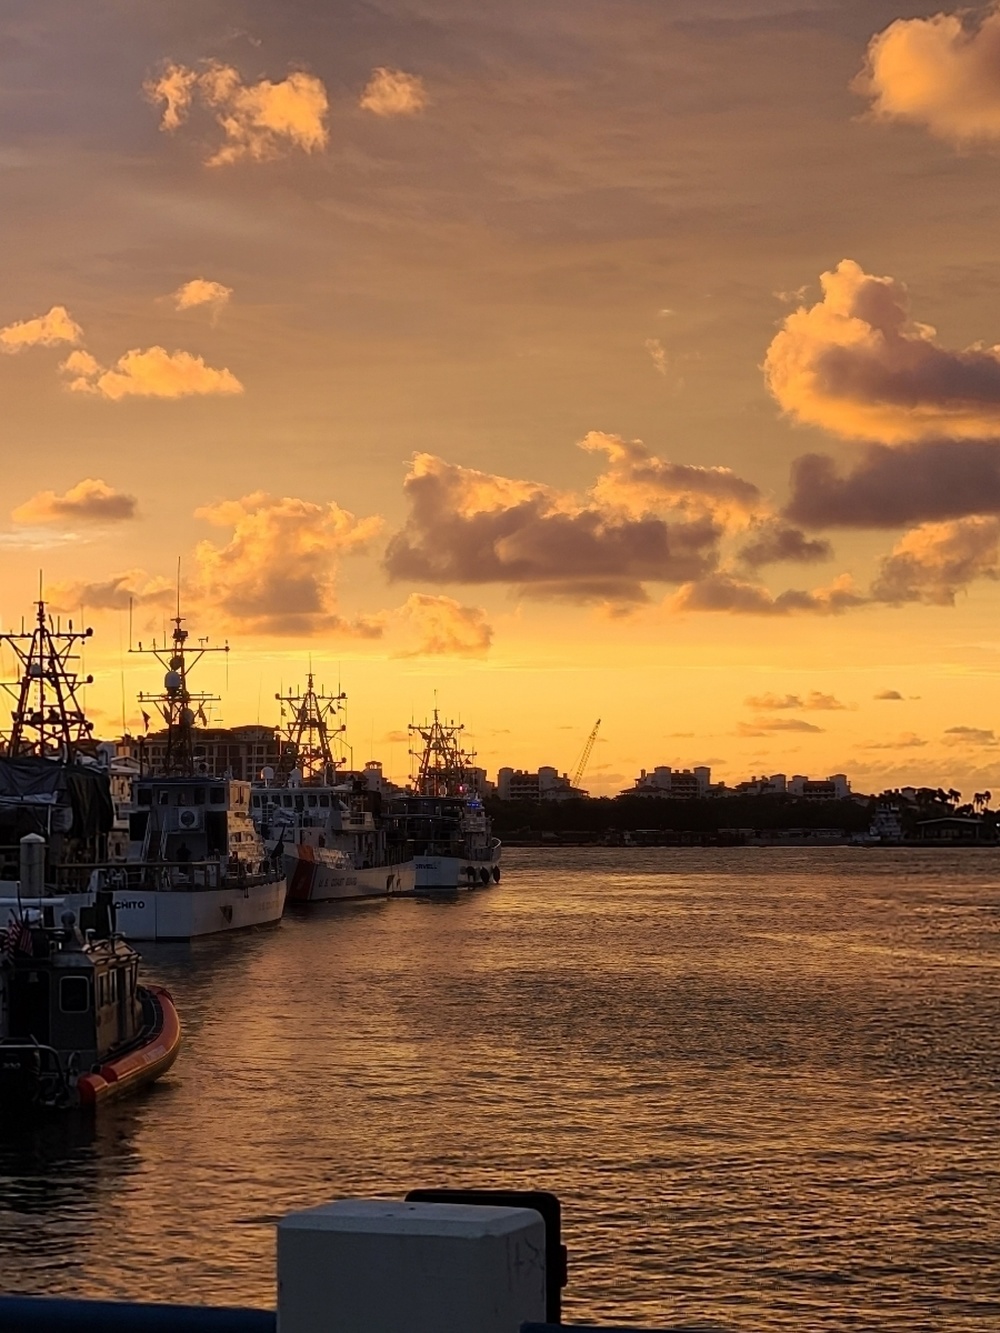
<point x="187" y="717"/>
<point x="171" y="682"/>
<point x="176" y="663"/>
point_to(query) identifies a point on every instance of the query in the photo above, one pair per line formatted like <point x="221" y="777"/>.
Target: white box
<point x="387" y="1266"/>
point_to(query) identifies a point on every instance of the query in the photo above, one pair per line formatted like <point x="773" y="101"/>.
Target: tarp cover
<point x="87" y="791"/>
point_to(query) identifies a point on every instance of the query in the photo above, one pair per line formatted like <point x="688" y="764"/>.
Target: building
<point x="548" y="784"/>
<point x="236" y="752"/>
<point x="835" y="788"/>
<point x="677" y="784"/>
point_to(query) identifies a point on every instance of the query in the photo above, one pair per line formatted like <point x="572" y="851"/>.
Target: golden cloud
<point x="260" y="121"/>
<point x="723" y="592"/>
<point x="277" y="572"/>
<point x="942" y="72"/>
<point x="90" y="500"/>
<point x="135" y="586"/>
<point x="150" y="373"/>
<point x="57" y="326"/>
<point x="936" y="561"/>
<point x="391" y="92"/>
<point x="637" y="482"/>
<point x="201" y="292"/>
<point x="856" y="364"/>
<point x="446" y="628"/>
<point x="467" y="526"/>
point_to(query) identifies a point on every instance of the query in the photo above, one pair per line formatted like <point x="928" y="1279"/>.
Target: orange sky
<point x="621" y="358"/>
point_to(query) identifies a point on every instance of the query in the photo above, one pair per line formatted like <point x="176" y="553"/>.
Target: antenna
<point x="178" y="707"/>
<point x="48" y="719"/>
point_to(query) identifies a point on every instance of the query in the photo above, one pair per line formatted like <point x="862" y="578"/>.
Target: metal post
<point x="32" y="866"/>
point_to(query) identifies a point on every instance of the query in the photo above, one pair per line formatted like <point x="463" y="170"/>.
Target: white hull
<point x="186" y="914"/>
<point x="453" y="874"/>
<point x="321" y="875"/>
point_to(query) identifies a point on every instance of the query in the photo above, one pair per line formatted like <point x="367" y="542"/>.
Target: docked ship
<point x="77" y="1028"/>
<point x="443" y="817"/>
<point x="195" y="863"/>
<point x="328" y="828"/>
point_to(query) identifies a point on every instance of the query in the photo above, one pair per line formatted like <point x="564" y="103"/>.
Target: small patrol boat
<point x="77" y="1029"/>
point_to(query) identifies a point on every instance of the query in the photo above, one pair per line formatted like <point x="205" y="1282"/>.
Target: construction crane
<point x="581" y="767"/>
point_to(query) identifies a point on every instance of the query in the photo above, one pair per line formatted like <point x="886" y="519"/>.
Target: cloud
<point x="49" y="330"/>
<point x="936" y="561"/>
<point x="391" y="92"/>
<point x="823" y="703"/>
<point x="773" y="701"/>
<point x="260" y="121"/>
<point x="814" y="701"/>
<point x="637" y="482"/>
<point x="889" y="487"/>
<point x="908" y="741"/>
<point x="89" y="501"/>
<point x="857" y="364"/>
<point x="277" y="572"/>
<point x="762" y="725"/>
<point x="941" y="72"/>
<point x="396" y="738"/>
<point x="657" y="353"/>
<point x="113" y="594"/>
<point x="977" y="736"/>
<point x="723" y="592"/>
<point x="473" y="527"/>
<point x="887" y="696"/>
<point x="201" y="292"/>
<point x="772" y="542"/>
<point x="153" y="373"/>
<point x="446" y="628"/>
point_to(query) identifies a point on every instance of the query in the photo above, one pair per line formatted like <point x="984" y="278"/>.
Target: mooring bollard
<point x="380" y="1265"/>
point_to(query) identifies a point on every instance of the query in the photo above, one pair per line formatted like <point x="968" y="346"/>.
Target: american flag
<point x="16" y="938"/>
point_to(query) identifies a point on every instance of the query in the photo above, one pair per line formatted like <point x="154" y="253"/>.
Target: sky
<point x="631" y="359"/>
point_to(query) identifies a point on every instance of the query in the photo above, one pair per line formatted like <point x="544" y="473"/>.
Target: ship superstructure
<point x="444" y="817"/>
<point x="334" y="841"/>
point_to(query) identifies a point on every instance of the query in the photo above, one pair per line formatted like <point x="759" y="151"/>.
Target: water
<point x="765" y="1084"/>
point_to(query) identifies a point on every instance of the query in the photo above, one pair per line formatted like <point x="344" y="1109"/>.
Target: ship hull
<point x="456" y="874"/>
<point x="181" y="914"/>
<point x="319" y="875"/>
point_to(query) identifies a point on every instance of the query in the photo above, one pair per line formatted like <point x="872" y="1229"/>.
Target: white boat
<point x="333" y="846"/>
<point x="196" y="864"/>
<point x="444" y="819"/>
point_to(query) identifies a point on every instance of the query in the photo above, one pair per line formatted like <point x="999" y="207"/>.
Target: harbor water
<point x="765" y="1084"/>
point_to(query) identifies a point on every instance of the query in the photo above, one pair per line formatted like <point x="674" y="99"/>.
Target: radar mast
<point x="48" y="720"/>
<point x="443" y="766"/>
<point x="176" y="704"/>
<point x="308" y="723"/>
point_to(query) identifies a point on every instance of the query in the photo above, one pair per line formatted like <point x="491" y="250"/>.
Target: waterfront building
<point x="678" y="784"/>
<point x="547" y="784"/>
<point x="835" y="788"/>
<point x="241" y="752"/>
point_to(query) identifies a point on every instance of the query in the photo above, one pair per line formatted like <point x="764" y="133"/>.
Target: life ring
<point x="496" y="874"/>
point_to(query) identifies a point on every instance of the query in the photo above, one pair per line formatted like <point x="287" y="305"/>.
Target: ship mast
<point x="306" y="731"/>
<point x="48" y="720"/>
<point x="443" y="766"/>
<point x="177" y="705"/>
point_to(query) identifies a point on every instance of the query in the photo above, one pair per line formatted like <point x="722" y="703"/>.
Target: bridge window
<point x="218" y="796"/>
<point x="74" y="995"/>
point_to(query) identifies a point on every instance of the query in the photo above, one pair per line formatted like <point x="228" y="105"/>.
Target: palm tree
<point x="987" y="797"/>
<point x="977" y="801"/>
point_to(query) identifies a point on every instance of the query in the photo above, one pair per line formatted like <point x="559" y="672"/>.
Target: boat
<point x="195" y="864"/>
<point x="443" y="817"/>
<point x="77" y="1028"/>
<point x="334" y="843"/>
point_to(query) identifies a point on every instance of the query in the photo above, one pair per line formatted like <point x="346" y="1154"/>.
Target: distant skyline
<point x="624" y="358"/>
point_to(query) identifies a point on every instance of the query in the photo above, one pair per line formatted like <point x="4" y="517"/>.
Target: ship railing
<point x="164" y="876"/>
